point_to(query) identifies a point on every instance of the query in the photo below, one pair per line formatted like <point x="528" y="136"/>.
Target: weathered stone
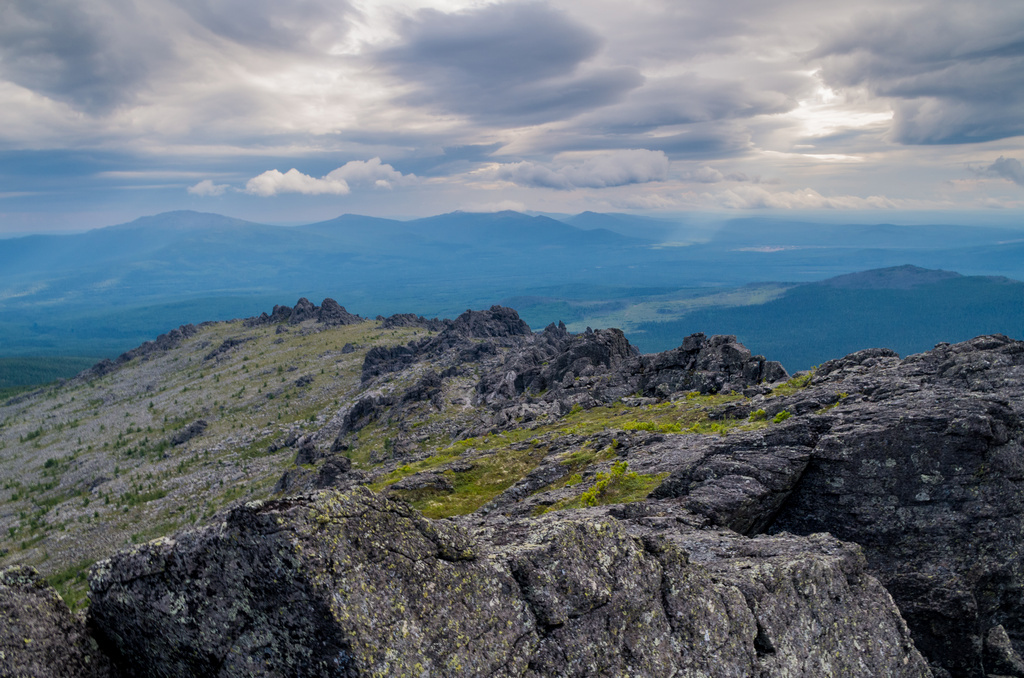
<point x="347" y="585"/>
<point x="162" y="344"/>
<point x="920" y="461"/>
<point x="191" y="431"/>
<point x="352" y="584"/>
<point x="38" y="634"/>
<point x="332" y="313"/>
<point x="708" y="365"/>
<point x="425" y="481"/>
<point x="304" y="310"/>
<point x="413" y="320"/>
<point x="226" y="346"/>
<point x="1000" y="657"/>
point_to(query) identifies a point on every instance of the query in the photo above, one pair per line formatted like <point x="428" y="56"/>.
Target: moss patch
<point x="618" y="485"/>
<point x="485" y="477"/>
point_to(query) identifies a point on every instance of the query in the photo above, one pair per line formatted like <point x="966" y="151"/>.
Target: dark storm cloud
<point x="955" y="73"/>
<point x="79" y="53"/>
<point x="514" y="64"/>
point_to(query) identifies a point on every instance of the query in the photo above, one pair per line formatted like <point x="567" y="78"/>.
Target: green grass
<point x="585" y="457"/>
<point x="415" y="467"/>
<point x="793" y="385"/>
<point x="72" y="584"/>
<point x="618" y="485"/>
<point x="672" y="427"/>
<point x="489" y="475"/>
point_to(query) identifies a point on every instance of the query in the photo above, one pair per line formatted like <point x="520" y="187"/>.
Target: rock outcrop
<point x="527" y="374"/>
<point x="351" y="584"/>
<point x="413" y="320"/>
<point x="38" y="634"/>
<point x="921" y="462"/>
<point x="329" y="313"/>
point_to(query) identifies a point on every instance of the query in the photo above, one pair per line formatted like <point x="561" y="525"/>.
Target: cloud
<point x="296" y="25"/>
<point x="755" y="197"/>
<point x="704" y="175"/>
<point x="709" y="175"/>
<point x="206" y="188"/>
<point x="356" y="172"/>
<point x="617" y="168"/>
<point x="691" y="98"/>
<point x="514" y="63"/>
<point x="91" y="55"/>
<point x="1008" y="168"/>
<point x="954" y="71"/>
<point x="273" y="182"/>
<point x="101" y="56"/>
<point x="370" y="172"/>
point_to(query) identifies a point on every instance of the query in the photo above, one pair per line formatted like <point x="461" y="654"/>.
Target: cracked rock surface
<point x="353" y="584"/>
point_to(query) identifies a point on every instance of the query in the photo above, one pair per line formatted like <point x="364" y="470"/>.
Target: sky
<point x="299" y="111"/>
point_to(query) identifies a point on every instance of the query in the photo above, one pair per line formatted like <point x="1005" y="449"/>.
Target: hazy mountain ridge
<point x="104" y="291"/>
<point x="906" y="308"/>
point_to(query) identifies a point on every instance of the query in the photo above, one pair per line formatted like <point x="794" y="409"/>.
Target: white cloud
<point x="614" y="168"/>
<point x="273" y="182"/>
<point x="755" y="197"/>
<point x="370" y="172"/>
<point x="338" y="182"/>
<point x="206" y="188"/>
<point x="851" y="100"/>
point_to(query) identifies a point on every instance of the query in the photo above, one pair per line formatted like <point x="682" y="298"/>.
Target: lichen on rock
<point x="353" y="584"/>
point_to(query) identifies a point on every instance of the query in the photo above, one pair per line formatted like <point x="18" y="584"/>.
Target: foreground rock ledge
<point x="352" y="584"/>
<point x="38" y="634"/>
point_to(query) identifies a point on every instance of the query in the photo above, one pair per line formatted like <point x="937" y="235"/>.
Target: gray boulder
<point x="352" y="584"/>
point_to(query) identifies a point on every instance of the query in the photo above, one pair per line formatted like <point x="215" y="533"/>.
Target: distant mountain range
<point x="104" y="291"/>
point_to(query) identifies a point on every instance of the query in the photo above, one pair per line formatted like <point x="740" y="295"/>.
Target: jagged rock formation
<point x="919" y="461"/>
<point x="413" y="320"/>
<point x="226" y="346"/>
<point x="355" y="585"/>
<point x="38" y="634"/>
<point x="526" y="375"/>
<point x="329" y="313"/>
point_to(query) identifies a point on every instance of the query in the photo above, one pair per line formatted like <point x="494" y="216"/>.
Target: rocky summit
<point x="311" y="493"/>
